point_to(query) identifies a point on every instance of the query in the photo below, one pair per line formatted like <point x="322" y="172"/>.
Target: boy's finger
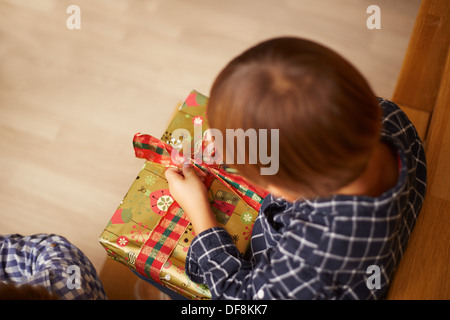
<point x="172" y="174"/>
<point x="188" y="170"/>
<point x="191" y="173"/>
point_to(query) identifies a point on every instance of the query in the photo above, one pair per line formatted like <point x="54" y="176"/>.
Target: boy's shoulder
<point x="399" y="131"/>
<point x="395" y="121"/>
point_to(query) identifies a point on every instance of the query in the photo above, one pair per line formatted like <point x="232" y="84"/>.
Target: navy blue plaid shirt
<point x="321" y="249"/>
<point x="49" y="261"/>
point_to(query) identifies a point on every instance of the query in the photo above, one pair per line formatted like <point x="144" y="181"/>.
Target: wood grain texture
<point x="424" y="272"/>
<point x="421" y="72"/>
<point x="419" y="118"/>
<point x="438" y="146"/>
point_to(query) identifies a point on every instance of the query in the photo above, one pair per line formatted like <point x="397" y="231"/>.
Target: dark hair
<point x="327" y="114"/>
<point x="11" y="291"/>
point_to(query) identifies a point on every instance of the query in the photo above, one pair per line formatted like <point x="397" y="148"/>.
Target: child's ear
<point x="274" y="190"/>
<point x="280" y="192"/>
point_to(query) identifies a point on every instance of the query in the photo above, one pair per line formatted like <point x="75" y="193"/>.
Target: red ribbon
<point x="154" y="150"/>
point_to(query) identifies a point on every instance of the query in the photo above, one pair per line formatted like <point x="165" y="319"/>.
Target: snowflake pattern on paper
<point x="164" y="203"/>
<point x="150" y="180"/>
<point x="248" y="232"/>
<point x="139" y="232"/>
<point x="122" y="241"/>
<point x="246" y="218"/>
<point x="160" y="201"/>
<point x="197" y="121"/>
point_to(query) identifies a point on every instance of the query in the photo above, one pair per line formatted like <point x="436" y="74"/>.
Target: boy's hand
<point x="188" y="190"/>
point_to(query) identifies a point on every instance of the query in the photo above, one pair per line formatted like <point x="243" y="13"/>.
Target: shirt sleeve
<point x="213" y="259"/>
<point x="52" y="262"/>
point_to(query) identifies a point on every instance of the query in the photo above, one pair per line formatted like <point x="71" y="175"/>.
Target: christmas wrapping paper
<point x="149" y="232"/>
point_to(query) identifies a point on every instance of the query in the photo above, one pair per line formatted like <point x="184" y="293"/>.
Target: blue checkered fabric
<point x="45" y="260"/>
<point x="322" y="248"/>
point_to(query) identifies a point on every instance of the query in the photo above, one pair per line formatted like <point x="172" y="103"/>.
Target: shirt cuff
<point x="205" y="246"/>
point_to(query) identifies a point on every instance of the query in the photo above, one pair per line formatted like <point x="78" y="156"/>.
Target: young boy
<point x="350" y="184"/>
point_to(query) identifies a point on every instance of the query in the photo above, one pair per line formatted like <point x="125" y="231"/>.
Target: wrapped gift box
<point x="150" y="233"/>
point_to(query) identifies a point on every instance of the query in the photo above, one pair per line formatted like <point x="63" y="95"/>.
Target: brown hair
<point x="327" y="114"/>
<point x="11" y="291"/>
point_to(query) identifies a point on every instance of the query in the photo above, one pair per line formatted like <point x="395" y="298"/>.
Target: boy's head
<point x="327" y="114"/>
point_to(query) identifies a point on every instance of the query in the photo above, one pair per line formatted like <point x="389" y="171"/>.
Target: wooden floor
<point x="71" y="100"/>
